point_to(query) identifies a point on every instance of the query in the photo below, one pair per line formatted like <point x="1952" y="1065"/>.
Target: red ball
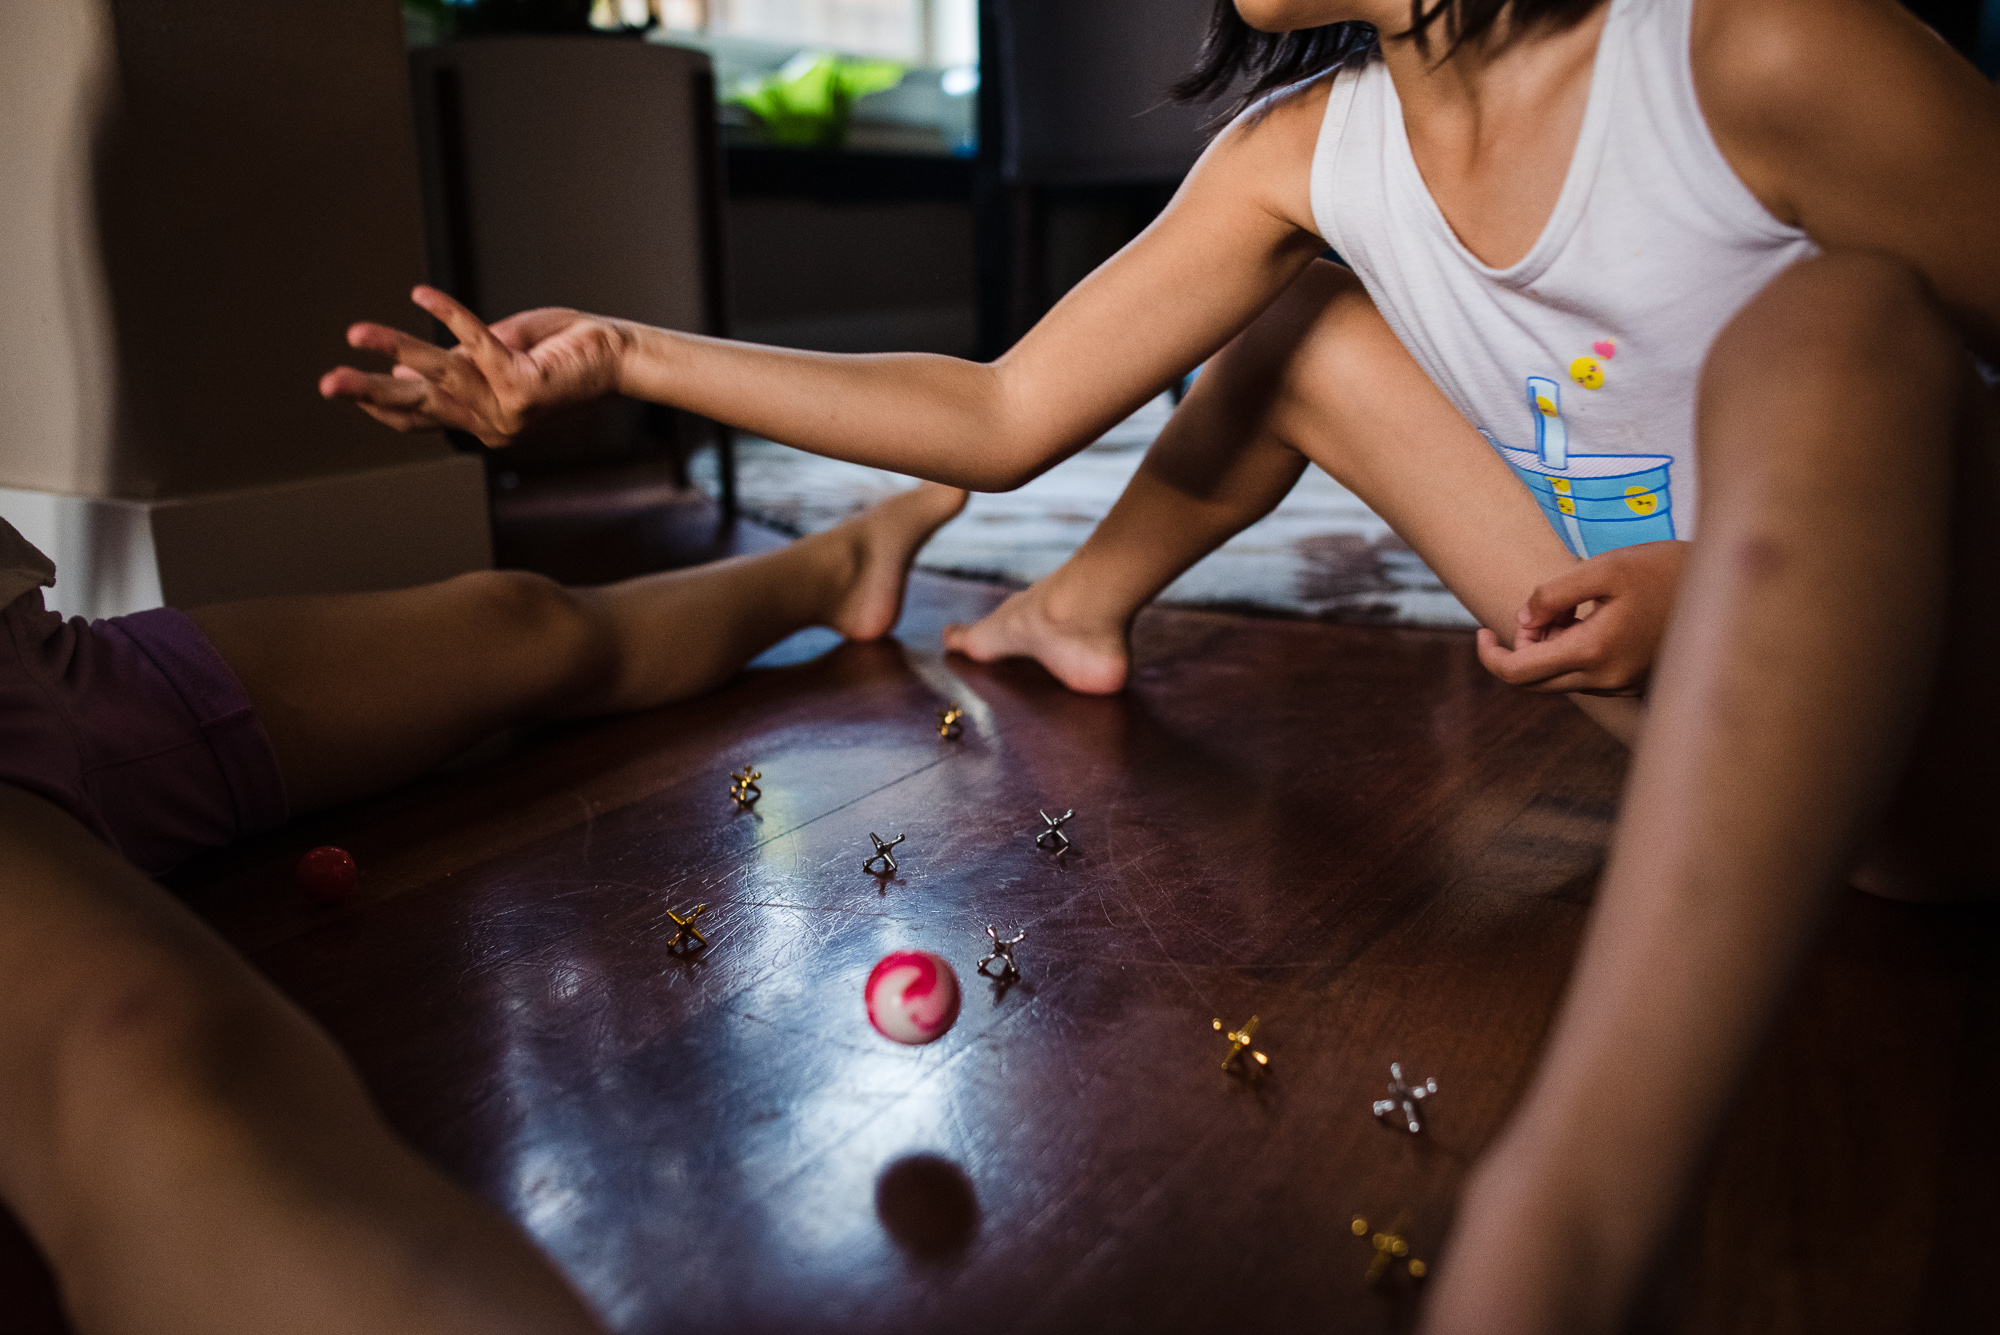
<point x="912" y="997"/>
<point x="328" y="874"/>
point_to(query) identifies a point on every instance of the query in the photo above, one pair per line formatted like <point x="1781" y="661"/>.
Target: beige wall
<point x="199" y="196"/>
<point x="884" y="276"/>
<point x="56" y="370"/>
<point x="581" y="165"/>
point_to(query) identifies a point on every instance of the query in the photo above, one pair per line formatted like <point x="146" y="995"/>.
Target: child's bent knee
<point x="514" y="602"/>
<point x="154" y="1020"/>
<point x="161" y="1077"/>
<point x="143" y="1038"/>
<point x="1852" y="309"/>
<point x="561" y="629"/>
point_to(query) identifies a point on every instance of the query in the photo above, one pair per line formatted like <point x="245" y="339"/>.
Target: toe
<point x="960" y="638"/>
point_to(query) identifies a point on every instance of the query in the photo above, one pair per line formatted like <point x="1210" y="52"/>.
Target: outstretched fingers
<point x="478" y="342"/>
<point x="371" y="390"/>
<point x="404" y="399"/>
<point x="414" y="360"/>
<point x="399" y="420"/>
<point x="404" y="349"/>
<point x="493" y="380"/>
<point x="485" y="372"/>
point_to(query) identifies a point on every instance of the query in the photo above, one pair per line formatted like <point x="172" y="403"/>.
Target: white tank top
<point x="1579" y="363"/>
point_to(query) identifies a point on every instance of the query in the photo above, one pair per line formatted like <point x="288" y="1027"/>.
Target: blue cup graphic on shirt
<point x="1595" y="502"/>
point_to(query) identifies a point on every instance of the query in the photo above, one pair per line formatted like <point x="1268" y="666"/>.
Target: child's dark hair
<point x="1236" y="58"/>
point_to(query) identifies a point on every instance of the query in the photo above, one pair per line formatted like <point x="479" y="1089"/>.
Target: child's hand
<point x="494" y="382"/>
<point x="1595" y="628"/>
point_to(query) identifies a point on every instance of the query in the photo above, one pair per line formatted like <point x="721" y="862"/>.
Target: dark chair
<point x="1080" y="145"/>
<point x="585" y="172"/>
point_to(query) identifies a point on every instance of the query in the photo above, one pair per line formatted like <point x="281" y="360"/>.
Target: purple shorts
<point x="136" y="727"/>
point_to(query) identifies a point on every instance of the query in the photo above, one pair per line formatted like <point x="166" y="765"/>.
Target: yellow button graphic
<point x="1561" y="484"/>
<point x="1546" y="405"/>
<point x="1640" y="501"/>
<point x="1588" y="372"/>
<point x="1568" y="506"/>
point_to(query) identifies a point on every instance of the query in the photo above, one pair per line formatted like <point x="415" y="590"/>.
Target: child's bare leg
<point x="191" y="1153"/>
<point x="1203" y="481"/>
<point x="1320" y="377"/>
<point x="1828" y="579"/>
<point x="362" y="691"/>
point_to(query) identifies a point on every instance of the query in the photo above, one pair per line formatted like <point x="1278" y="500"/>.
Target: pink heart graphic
<point x="1606" y="348"/>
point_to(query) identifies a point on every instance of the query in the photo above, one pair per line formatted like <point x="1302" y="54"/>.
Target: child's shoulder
<point x="1281" y="128"/>
<point x="1264" y="153"/>
<point x="1289" y="111"/>
<point x="1794" y="60"/>
<point x="1802" y="95"/>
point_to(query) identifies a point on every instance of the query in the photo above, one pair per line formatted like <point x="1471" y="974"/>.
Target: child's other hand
<point x="1595" y="628"/>
<point x="494" y="382"/>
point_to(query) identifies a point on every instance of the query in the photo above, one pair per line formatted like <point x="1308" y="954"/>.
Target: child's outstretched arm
<point x="1238" y="232"/>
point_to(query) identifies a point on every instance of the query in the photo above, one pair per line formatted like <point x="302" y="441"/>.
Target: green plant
<point x="807" y="103"/>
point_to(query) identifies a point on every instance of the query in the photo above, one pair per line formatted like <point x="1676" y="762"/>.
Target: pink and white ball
<point x="912" y="997"/>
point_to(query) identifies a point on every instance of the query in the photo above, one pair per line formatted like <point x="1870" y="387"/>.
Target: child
<point x="1680" y="263"/>
<point x="189" y="1151"/>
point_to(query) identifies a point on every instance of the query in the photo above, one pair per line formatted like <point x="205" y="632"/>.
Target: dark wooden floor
<point x="1352" y="833"/>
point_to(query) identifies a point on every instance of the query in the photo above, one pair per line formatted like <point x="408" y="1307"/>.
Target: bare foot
<point x="879" y="548"/>
<point x="1089" y="657"/>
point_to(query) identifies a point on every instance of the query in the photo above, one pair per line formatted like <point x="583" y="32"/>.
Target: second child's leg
<point x="192" y="1154"/>
<point x="1836" y="621"/>
<point x="1319" y="377"/>
<point x="363" y="691"/>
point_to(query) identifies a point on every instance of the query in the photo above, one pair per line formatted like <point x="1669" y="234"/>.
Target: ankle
<point x="1076" y="606"/>
<point x="831" y="567"/>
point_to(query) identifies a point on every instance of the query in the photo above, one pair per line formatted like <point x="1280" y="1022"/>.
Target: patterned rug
<point x="1320" y="554"/>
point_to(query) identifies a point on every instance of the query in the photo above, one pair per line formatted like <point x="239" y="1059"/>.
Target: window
<point x="934" y="34"/>
<point x="936" y="42"/>
<point x="891" y="28"/>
